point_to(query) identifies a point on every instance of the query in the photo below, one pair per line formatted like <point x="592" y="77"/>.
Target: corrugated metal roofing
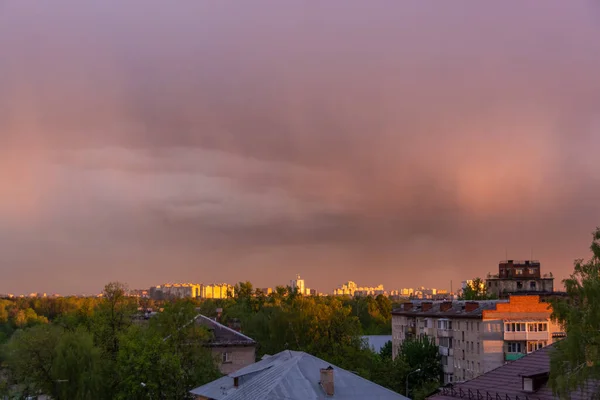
<point x="292" y="375"/>
<point x="507" y="382"/>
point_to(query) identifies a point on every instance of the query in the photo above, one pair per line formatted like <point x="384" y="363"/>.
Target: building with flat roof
<point x="519" y="277"/>
<point x="475" y="337"/>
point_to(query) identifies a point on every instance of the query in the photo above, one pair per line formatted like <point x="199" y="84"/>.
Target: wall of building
<point x="499" y="286"/>
<point x="240" y="357"/>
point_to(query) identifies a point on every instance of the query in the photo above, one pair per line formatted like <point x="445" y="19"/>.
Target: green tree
<point x="167" y="359"/>
<point x="77" y="366"/>
<point x="29" y="357"/>
<point x="386" y="351"/>
<point x="46" y="359"/>
<point x="575" y="360"/>
<point x="475" y="290"/>
<point x="422" y="354"/>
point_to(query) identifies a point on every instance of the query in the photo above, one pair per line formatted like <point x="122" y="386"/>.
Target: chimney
<point x="407" y="306"/>
<point x="471" y="306"/>
<point x="445" y="306"/>
<point x="327" y="380"/>
<point x="426" y="306"/>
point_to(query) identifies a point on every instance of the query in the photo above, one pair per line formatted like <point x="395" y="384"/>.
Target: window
<point x="478" y="327"/>
<point x="463" y="336"/>
<point x="519" y="271"/>
<point x="515" y="327"/>
<point x="532" y="285"/>
<point x="444" y="360"/>
<point x="519" y="285"/>
<point x="478" y="347"/>
<point x="513" y="347"/>
<point x="543" y="327"/>
<point x="478" y="367"/>
<point x="489" y="283"/>
<point x="471" y="347"/>
<point x="226" y="357"/>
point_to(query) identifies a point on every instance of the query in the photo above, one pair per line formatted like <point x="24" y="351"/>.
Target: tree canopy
<point x="576" y="359"/>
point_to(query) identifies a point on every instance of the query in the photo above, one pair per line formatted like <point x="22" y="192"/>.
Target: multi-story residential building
<point x="519" y="277"/>
<point x="191" y="290"/>
<point x="216" y="291"/>
<point x="352" y="289"/>
<point x="175" y="290"/>
<point x="476" y="336"/>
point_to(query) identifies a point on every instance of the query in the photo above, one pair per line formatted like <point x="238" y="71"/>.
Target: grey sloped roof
<point x="292" y="375"/>
<point x="507" y="381"/>
<point x="223" y="335"/>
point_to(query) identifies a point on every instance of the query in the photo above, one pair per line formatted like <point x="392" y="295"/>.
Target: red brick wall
<point x="521" y="305"/>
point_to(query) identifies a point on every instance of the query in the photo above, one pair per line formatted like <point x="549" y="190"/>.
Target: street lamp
<point x="409" y="374"/>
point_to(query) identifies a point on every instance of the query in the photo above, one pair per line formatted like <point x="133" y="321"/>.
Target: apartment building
<point x="475" y="337"/>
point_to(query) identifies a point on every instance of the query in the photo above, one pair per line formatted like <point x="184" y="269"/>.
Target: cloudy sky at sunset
<point x="397" y="142"/>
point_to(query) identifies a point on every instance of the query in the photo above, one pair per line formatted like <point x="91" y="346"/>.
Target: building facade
<point x="475" y="337"/>
<point x="298" y="284"/>
<point x="519" y="277"/>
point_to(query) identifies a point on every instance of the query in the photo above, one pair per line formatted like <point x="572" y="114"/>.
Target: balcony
<point x="513" y="356"/>
<point x="445" y="333"/>
<point x="524" y="336"/>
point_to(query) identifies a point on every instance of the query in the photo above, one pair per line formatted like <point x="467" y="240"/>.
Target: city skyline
<point x="394" y="143"/>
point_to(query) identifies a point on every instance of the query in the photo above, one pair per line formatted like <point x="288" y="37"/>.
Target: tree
<point x="166" y="360"/>
<point x="475" y="290"/>
<point x="46" y="359"/>
<point x="576" y="359"/>
<point x="29" y="356"/>
<point x="422" y="354"/>
<point x="386" y="351"/>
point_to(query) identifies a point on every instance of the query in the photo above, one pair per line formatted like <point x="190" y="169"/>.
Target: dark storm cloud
<point x="210" y="141"/>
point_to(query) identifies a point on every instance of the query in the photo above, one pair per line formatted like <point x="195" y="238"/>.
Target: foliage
<point x="422" y="354"/>
<point x="476" y="290"/>
<point x="83" y="348"/>
<point x="576" y="359"/>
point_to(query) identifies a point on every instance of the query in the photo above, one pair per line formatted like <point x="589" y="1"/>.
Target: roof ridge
<point x="225" y="327"/>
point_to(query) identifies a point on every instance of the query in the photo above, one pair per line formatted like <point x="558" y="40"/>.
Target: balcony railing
<point x="513" y="356"/>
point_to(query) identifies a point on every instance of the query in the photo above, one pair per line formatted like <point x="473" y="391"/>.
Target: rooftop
<point x="292" y="375"/>
<point x="508" y="382"/>
<point x="457" y="309"/>
<point x="223" y="335"/>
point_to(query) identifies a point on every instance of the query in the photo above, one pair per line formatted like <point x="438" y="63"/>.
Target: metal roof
<point x="292" y="375"/>
<point x="506" y="382"/>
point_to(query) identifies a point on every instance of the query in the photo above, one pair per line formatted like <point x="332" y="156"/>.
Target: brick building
<point x="519" y="277"/>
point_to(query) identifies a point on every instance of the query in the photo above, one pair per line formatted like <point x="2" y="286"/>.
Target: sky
<point x="404" y="143"/>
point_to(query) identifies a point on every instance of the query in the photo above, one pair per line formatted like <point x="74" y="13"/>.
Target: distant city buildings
<point x="191" y="290"/>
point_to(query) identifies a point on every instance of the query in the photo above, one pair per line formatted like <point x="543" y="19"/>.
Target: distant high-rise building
<point x="298" y="284"/>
